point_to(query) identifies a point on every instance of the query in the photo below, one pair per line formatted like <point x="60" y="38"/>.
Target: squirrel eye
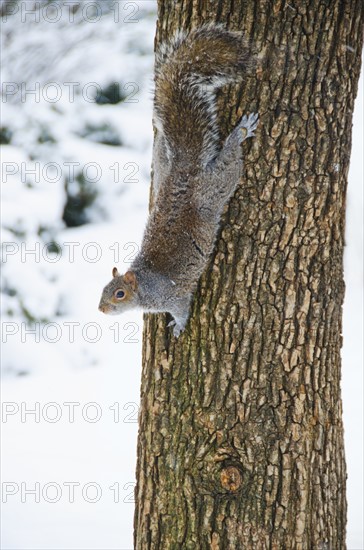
<point x="119" y="294"/>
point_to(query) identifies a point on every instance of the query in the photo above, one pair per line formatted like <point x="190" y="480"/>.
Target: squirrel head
<point x="120" y="294"/>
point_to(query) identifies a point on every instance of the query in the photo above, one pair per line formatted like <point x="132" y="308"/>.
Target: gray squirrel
<point x="193" y="176"/>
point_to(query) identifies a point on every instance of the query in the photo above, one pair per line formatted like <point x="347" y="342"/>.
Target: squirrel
<point x="194" y="176"/>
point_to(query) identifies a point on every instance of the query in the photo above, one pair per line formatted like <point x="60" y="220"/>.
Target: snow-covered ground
<point x="353" y="328"/>
<point x="70" y="387"/>
<point x="81" y="374"/>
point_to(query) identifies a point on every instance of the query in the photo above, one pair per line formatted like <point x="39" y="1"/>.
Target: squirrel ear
<point x="130" y="279"/>
<point x="115" y="272"/>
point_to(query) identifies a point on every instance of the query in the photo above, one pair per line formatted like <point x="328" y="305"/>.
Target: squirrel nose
<point x="102" y="308"/>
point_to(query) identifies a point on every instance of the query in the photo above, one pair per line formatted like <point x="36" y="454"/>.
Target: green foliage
<point x="5" y="135"/>
<point x="111" y="95"/>
<point x="102" y="133"/>
<point x="80" y="194"/>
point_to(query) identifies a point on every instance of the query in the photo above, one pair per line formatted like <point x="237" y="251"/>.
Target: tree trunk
<point x="240" y="431"/>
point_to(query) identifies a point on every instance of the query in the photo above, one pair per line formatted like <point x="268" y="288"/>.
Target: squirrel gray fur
<point x="193" y="176"/>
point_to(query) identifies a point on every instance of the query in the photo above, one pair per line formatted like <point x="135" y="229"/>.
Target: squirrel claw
<point x="177" y="330"/>
<point x="249" y="123"/>
<point x="177" y="327"/>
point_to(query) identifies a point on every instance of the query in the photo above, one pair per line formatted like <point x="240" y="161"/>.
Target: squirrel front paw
<point x="248" y="125"/>
<point x="178" y="326"/>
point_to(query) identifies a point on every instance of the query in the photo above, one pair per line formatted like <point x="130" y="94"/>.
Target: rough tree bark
<point x="240" y="431"/>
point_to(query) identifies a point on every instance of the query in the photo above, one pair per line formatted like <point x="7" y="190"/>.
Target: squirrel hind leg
<point x="229" y="161"/>
<point x="231" y="153"/>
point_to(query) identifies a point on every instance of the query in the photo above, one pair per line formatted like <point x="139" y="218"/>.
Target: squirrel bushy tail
<point x="188" y="71"/>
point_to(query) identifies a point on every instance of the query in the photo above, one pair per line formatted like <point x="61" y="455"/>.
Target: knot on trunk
<point x="231" y="478"/>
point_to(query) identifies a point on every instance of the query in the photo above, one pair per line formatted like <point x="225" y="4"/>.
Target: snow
<point x="80" y="370"/>
<point x="76" y="357"/>
<point x="353" y="329"/>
